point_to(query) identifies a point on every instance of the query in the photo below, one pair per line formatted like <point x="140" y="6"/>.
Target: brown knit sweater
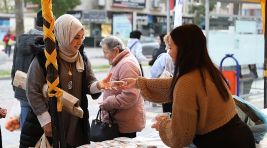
<point x="194" y="111"/>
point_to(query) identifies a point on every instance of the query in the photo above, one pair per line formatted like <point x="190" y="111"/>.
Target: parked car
<point x="149" y="44"/>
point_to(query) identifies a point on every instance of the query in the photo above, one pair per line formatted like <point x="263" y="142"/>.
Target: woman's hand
<point x="104" y="84"/>
<point x="158" y="119"/>
<point x="129" y="83"/>
<point x="110" y="85"/>
<point x="48" y="130"/>
<point x="2" y="113"/>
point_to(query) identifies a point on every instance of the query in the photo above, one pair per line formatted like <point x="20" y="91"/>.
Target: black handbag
<point x="101" y="131"/>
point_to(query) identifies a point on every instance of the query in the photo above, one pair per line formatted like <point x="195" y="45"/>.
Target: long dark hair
<point x="193" y="54"/>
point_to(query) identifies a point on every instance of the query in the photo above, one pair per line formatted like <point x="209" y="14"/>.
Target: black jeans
<point x="167" y="107"/>
<point x="234" y="134"/>
<point x="8" y="50"/>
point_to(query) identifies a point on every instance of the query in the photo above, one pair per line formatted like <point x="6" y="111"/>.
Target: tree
<point x="7" y="6"/>
<point x="199" y="11"/>
<point x="59" y="6"/>
<point x="19" y="17"/>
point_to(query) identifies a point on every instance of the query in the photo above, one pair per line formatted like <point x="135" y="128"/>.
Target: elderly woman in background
<point x="126" y="106"/>
<point x="76" y="77"/>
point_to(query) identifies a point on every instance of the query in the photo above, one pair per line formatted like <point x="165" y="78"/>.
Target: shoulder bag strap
<point x="133" y="45"/>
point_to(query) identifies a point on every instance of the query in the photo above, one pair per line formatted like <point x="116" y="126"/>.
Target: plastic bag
<point x="43" y="143"/>
<point x="12" y="119"/>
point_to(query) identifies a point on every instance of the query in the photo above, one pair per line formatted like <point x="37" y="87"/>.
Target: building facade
<point x="119" y="17"/>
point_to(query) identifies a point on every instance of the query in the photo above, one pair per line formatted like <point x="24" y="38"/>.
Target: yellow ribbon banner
<point x="53" y="90"/>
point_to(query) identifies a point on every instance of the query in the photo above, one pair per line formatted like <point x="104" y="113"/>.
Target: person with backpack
<point x="22" y="58"/>
<point x="135" y="47"/>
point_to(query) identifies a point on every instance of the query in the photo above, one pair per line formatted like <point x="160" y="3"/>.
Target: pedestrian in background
<point x="135" y="47"/>
<point x="158" y="51"/>
<point x="126" y="106"/>
<point x="9" y="40"/>
<point x="162" y="64"/>
<point x="163" y="67"/>
<point x="204" y="111"/>
<point x="24" y="52"/>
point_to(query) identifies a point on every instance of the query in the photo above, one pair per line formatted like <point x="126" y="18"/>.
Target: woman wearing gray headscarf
<point x="76" y="77"/>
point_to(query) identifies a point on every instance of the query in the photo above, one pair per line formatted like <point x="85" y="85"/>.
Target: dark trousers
<point x="129" y="135"/>
<point x="167" y="107"/>
<point x="142" y="72"/>
<point x="8" y="50"/>
<point x="234" y="134"/>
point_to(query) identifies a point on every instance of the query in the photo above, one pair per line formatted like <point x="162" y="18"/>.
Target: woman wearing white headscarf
<point x="76" y="77"/>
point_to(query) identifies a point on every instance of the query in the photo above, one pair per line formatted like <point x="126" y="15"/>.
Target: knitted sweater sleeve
<point x="154" y="90"/>
<point x="180" y="130"/>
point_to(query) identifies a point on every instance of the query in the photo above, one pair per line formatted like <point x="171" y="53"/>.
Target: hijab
<point x="66" y="28"/>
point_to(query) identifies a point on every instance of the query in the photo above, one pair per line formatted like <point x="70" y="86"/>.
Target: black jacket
<point x="24" y="52"/>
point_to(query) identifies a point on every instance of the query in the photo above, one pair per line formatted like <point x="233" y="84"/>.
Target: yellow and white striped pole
<point x="52" y="77"/>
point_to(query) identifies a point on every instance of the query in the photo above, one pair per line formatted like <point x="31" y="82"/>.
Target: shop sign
<point x="4" y="26"/>
<point x="94" y="16"/>
<point x="129" y="3"/>
<point x="122" y="25"/>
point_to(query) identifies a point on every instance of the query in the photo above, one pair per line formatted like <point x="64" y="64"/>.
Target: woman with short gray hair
<point x="112" y="42"/>
<point x="126" y="106"/>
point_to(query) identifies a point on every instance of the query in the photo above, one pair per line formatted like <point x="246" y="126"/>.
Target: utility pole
<point x="168" y="16"/>
<point x="5" y="6"/>
<point x="207" y="19"/>
<point x="265" y="58"/>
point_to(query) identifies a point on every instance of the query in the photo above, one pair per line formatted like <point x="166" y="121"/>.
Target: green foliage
<point x="59" y="6"/>
<point x="6" y="7"/>
<point x="199" y="11"/>
<point x="5" y="73"/>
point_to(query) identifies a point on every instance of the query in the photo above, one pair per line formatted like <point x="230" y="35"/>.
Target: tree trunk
<point x="5" y="6"/>
<point x="19" y="17"/>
